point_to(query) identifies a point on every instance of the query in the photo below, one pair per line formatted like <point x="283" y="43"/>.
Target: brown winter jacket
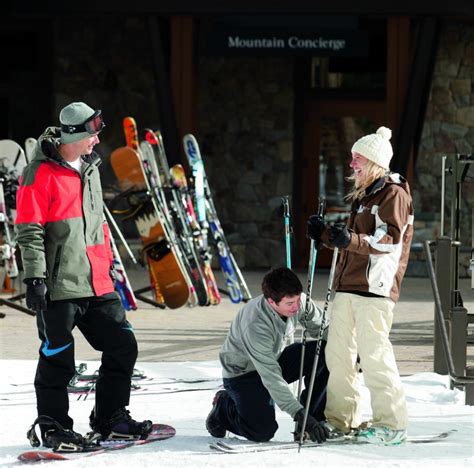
<point x="381" y="226"/>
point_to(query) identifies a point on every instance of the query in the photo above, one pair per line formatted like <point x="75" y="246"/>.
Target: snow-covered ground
<point x="432" y="407"/>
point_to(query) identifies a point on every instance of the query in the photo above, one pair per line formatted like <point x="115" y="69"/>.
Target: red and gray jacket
<point x="381" y="226"/>
<point x="60" y="224"/>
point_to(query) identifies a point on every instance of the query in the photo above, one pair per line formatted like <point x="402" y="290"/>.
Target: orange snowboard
<point x="163" y="267"/>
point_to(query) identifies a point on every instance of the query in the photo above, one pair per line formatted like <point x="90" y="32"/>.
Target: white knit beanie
<point x="75" y="113"/>
<point x="376" y="147"/>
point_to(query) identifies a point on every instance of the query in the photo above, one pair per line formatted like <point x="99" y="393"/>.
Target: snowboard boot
<point x="213" y="425"/>
<point x="63" y="440"/>
<point x="120" y="426"/>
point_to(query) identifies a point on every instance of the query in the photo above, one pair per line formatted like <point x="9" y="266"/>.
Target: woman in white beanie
<point x="374" y="249"/>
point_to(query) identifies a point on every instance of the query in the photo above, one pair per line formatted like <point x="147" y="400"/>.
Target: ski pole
<point x="313" y="254"/>
<point x="119" y="233"/>
<point x="318" y="345"/>
<point x="286" y="215"/>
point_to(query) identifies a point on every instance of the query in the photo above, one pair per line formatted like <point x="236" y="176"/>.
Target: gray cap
<point x="75" y="113"/>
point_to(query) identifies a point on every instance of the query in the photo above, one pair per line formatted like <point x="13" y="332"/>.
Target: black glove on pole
<point x="340" y="236"/>
<point x="316" y="431"/>
<point x="35" y="294"/>
<point x="315" y="228"/>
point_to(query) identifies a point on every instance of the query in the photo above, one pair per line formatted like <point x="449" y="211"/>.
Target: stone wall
<point x="448" y="130"/>
<point x="246" y="136"/>
<point x="106" y="62"/>
<point x="245" y="125"/>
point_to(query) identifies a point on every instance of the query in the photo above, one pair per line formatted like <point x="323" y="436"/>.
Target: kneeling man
<point x="257" y="367"/>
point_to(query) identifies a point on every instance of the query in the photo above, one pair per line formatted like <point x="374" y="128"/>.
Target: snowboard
<point x="12" y="157"/>
<point x="166" y="277"/>
<point x="159" y="432"/>
<point x="131" y="139"/>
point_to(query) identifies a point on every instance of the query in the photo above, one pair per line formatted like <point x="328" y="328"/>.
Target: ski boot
<point x="120" y="426"/>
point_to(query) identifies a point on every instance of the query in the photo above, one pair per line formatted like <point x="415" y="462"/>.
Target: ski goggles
<point x="94" y="124"/>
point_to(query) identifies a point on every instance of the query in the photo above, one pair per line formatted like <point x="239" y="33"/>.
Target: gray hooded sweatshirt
<point x="256" y="340"/>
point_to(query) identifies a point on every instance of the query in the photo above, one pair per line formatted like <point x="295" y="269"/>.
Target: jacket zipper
<point x="57" y="261"/>
<point x="90" y="195"/>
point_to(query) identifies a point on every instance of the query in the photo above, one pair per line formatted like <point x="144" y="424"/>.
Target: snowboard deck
<point x="238" y="446"/>
<point x="12" y="156"/>
<point x="159" y="432"/>
<point x="165" y="274"/>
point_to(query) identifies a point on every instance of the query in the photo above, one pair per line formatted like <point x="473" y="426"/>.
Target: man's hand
<point x="316" y="229"/>
<point x="316" y="431"/>
<point x="340" y="236"/>
<point x="35" y="294"/>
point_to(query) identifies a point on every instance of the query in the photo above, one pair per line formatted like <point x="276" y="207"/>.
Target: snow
<point x="433" y="407"/>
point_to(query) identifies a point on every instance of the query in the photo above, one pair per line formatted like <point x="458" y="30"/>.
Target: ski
<point x="83" y="394"/>
<point x="80" y="375"/>
<point x="247" y="447"/>
<point x="236" y="285"/>
<point x="131" y="140"/>
<point x="159" y="432"/>
<point x="199" y="231"/>
<point x="167" y="277"/>
<point x="120" y="279"/>
<point x="153" y="152"/>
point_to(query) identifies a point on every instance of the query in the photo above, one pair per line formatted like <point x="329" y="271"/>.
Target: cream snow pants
<point x="361" y="325"/>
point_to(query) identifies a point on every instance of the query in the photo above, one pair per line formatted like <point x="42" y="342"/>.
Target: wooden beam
<point x="416" y="98"/>
<point x="183" y="74"/>
<point x="166" y="108"/>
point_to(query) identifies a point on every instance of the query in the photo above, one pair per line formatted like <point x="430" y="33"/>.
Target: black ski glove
<point x="316" y="431"/>
<point x="340" y="236"/>
<point x="316" y="229"/>
<point x="35" y="294"/>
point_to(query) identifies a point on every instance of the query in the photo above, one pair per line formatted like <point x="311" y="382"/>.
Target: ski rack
<point x="10" y="302"/>
<point x="139" y="295"/>
<point x="447" y="251"/>
<point x="464" y="380"/>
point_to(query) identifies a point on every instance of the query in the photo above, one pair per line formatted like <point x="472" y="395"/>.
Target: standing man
<point x="66" y="254"/>
<point x="374" y="250"/>
<point x="257" y="367"/>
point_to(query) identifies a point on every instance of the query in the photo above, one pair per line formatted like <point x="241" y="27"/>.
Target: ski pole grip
<point x="321" y="207"/>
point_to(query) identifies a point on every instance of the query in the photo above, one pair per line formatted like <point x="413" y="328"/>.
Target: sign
<point x="253" y="41"/>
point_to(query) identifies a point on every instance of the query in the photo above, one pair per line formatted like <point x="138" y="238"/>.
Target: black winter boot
<point x="213" y="425"/>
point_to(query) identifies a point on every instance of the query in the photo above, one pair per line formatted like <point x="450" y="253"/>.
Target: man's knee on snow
<point x="263" y="434"/>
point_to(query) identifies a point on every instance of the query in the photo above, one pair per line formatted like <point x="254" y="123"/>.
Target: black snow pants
<point x="103" y="323"/>
<point x="246" y="409"/>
